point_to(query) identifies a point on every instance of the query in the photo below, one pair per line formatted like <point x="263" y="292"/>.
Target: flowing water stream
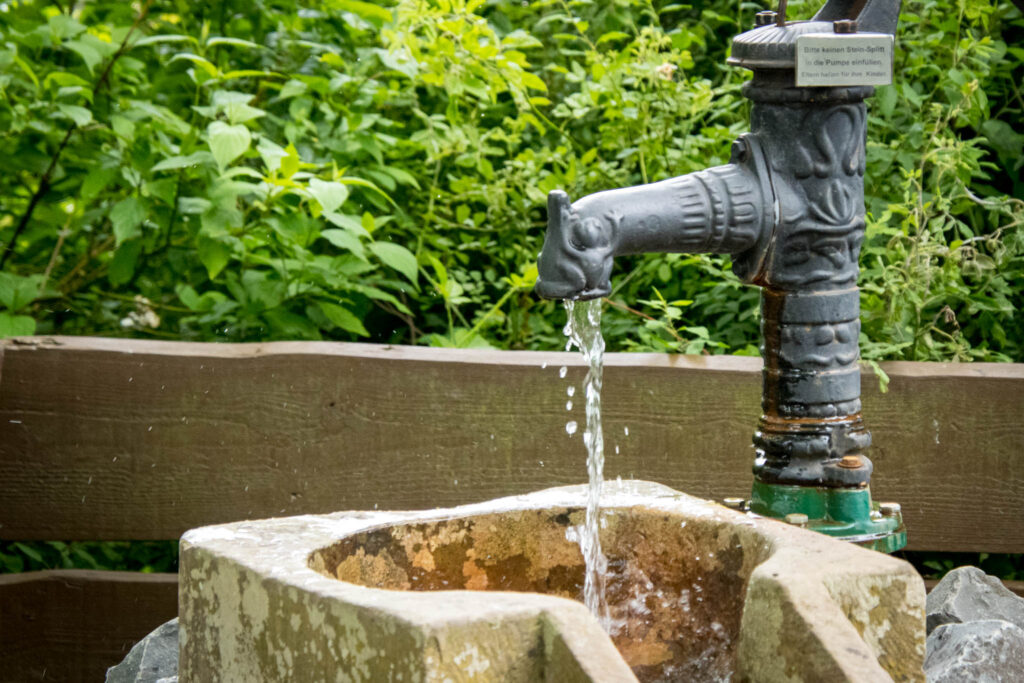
<point x="583" y="329"/>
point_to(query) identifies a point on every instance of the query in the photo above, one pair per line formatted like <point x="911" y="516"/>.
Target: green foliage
<point x="936" y="565"/>
<point x="138" y="556"/>
<point x="946" y="192"/>
<point x="250" y="171"/>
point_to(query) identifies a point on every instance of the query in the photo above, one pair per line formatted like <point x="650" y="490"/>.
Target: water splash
<point x="584" y="331"/>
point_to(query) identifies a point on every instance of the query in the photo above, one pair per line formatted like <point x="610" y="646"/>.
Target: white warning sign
<point x="827" y="59"/>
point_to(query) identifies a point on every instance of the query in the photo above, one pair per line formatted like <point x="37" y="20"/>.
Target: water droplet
<point x="570" y="390"/>
<point x="562" y="371"/>
<point x="571" y="427"/>
<point x="625" y="430"/>
<point x="568" y="405"/>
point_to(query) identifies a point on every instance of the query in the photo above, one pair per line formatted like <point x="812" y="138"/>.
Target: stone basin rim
<point x="820" y="578"/>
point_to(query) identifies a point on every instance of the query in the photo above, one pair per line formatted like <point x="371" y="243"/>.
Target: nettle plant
<point x="172" y="193"/>
<point x="942" y="262"/>
<point x="378" y="171"/>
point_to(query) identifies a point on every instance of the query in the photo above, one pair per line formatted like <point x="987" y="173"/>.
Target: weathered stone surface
<point x="154" y="658"/>
<point x="987" y="651"/>
<point x="969" y="594"/>
<point x="696" y="592"/>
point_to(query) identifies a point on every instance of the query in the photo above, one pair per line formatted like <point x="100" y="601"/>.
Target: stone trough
<point x="489" y="592"/>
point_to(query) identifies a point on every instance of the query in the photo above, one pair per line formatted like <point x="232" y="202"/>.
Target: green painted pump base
<point x="846" y="514"/>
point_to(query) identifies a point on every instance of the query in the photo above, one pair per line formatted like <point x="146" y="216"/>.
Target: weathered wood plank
<point x="70" y="625"/>
<point x="114" y="439"/>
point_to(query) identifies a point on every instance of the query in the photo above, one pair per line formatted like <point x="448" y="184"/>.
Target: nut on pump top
<point x="789" y="210"/>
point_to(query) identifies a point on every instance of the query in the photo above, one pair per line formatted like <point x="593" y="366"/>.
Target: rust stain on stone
<point x="675" y="590"/>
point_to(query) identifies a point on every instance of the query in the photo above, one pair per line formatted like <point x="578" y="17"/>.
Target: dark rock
<point x="990" y="651"/>
<point x="969" y="594"/>
<point x="153" y="658"/>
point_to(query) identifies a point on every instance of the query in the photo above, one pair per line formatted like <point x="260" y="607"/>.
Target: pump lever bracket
<point x="872" y="16"/>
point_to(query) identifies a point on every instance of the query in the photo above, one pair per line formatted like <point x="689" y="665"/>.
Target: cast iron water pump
<point x="789" y="209"/>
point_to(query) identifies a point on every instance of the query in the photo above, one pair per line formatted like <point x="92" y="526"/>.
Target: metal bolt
<point x="845" y="26"/>
<point x="734" y="503"/>
<point x="764" y="18"/>
<point x="739" y="150"/>
<point x="889" y="509"/>
<point x="796" y="519"/>
<point x="850" y="462"/>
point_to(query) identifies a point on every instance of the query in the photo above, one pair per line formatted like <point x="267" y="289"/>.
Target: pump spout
<point x="722" y="210"/>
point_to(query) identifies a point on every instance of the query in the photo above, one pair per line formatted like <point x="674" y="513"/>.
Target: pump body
<point x="789" y="209"/>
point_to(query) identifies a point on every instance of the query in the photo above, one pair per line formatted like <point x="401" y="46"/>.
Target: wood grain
<point x="116" y="439"/>
<point x="70" y="625"/>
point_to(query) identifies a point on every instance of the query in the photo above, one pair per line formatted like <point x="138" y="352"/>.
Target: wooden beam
<point x="127" y="439"/>
<point x="70" y="625"/>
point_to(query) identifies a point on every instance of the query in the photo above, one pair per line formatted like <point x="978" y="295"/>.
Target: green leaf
<point x="64" y="26"/>
<point x="330" y="195"/>
<point x="227" y="143"/>
<point x="362" y="182"/>
<point x="291" y="162"/>
<point x="236" y="42"/>
<point x="126" y="217"/>
<point x="122" y="266"/>
<point x="343" y="318"/>
<point x="249" y="73"/>
<point x="205" y="64"/>
<point x="29" y="552"/>
<point x="214" y="253"/>
<point x="167" y="38"/>
<point x="89" y="54"/>
<point x="96" y="181"/>
<point x="375" y="14"/>
<point x="16" y="325"/>
<point x="613" y="36"/>
<point x="18" y="291"/>
<point x="287" y="325"/>
<point x="271" y="153"/>
<point x="198" y="302"/>
<point x="200" y="158"/>
<point x="398" y="257"/>
<point x="80" y="115"/>
<point x="520" y="40"/>
<point x="239" y="112"/>
<point x="23" y="65"/>
<point x="534" y="81"/>
<point x="1007" y="143"/>
<point x="292" y="88"/>
<point x="369" y="223"/>
<point x="123" y="127"/>
<point x="65" y="79"/>
<point x="352" y="223"/>
<point x="343" y="239"/>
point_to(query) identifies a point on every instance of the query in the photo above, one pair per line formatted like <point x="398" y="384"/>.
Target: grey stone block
<point x="989" y="651"/>
<point x="969" y="594"/>
<point x="152" y="660"/>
